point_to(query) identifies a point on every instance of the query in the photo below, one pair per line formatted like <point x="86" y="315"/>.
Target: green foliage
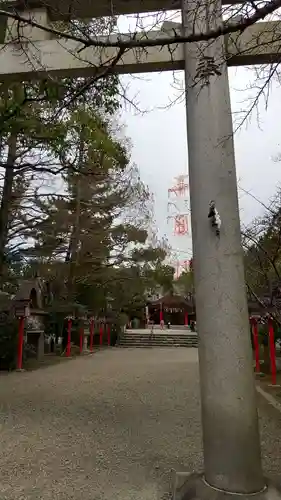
<point x="92" y="239"/>
<point x="163" y="276"/>
<point x="262" y="244"/>
<point x="39" y="128"/>
<point x="186" y="282"/>
<point x="262" y="257"/>
<point x="89" y="237"/>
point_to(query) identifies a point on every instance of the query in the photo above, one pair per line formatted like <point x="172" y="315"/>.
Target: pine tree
<point x="92" y="239"/>
<point x="33" y="136"/>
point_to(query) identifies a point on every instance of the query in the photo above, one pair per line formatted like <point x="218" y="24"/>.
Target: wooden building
<point x="180" y="310"/>
<point x="173" y="308"/>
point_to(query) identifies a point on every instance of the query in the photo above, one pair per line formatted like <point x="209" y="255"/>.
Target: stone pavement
<point x="108" y="426"/>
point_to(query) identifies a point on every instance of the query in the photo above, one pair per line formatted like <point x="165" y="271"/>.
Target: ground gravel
<point x="108" y="426"/>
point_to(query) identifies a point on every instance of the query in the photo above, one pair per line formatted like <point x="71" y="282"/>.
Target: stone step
<point x="156" y="333"/>
<point x="158" y="346"/>
<point x="158" y="341"/>
<point x="172" y="335"/>
<point x="159" y="338"/>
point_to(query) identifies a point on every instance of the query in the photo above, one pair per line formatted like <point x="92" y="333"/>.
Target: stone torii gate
<point x="232" y="462"/>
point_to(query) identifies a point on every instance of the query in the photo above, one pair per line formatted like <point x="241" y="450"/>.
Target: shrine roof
<point x="170" y="300"/>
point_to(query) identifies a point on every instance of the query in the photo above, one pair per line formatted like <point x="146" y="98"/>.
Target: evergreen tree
<point x="34" y="120"/>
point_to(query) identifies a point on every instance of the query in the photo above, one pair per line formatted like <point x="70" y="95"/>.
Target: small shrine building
<point x="176" y="309"/>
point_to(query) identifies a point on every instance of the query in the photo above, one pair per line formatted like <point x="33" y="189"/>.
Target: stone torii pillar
<point x="232" y="458"/>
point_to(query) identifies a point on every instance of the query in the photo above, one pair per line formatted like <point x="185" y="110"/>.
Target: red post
<point x="20" y="342"/>
<point x="81" y="339"/>
<point x="101" y="334"/>
<point x="272" y="351"/>
<point x="161" y="313"/>
<point x="108" y="335"/>
<point x="256" y="343"/>
<point x="68" y="345"/>
<point x="186" y="318"/>
<point x="91" y="334"/>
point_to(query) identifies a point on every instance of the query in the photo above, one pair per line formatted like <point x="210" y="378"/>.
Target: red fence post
<point x="68" y="345"/>
<point x="20" y="342"/>
<point x="272" y="351"/>
<point x="186" y="318"/>
<point x="161" y="314"/>
<point x="256" y="343"/>
<point x="91" y="334"/>
<point x="108" y="335"/>
<point x="101" y="334"/>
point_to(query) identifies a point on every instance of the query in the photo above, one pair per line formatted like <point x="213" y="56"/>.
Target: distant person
<point x="162" y="324"/>
<point x="169" y="325"/>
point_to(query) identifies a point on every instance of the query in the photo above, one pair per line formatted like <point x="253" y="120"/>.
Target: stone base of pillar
<point x="193" y="487"/>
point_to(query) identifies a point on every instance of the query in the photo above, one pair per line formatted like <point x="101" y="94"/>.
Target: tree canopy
<point x="73" y="208"/>
<point x="262" y="247"/>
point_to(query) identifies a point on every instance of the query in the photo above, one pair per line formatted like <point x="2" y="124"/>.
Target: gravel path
<point x="108" y="426"/>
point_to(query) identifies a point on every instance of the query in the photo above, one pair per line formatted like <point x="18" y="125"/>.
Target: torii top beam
<point x="86" y="9"/>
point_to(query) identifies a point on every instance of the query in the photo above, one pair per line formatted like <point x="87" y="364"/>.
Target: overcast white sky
<point x="160" y="144"/>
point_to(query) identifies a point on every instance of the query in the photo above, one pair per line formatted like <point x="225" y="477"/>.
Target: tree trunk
<point x="72" y="251"/>
<point x="6" y="199"/>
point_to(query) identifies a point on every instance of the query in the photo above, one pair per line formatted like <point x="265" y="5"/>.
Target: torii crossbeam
<point x="259" y="44"/>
